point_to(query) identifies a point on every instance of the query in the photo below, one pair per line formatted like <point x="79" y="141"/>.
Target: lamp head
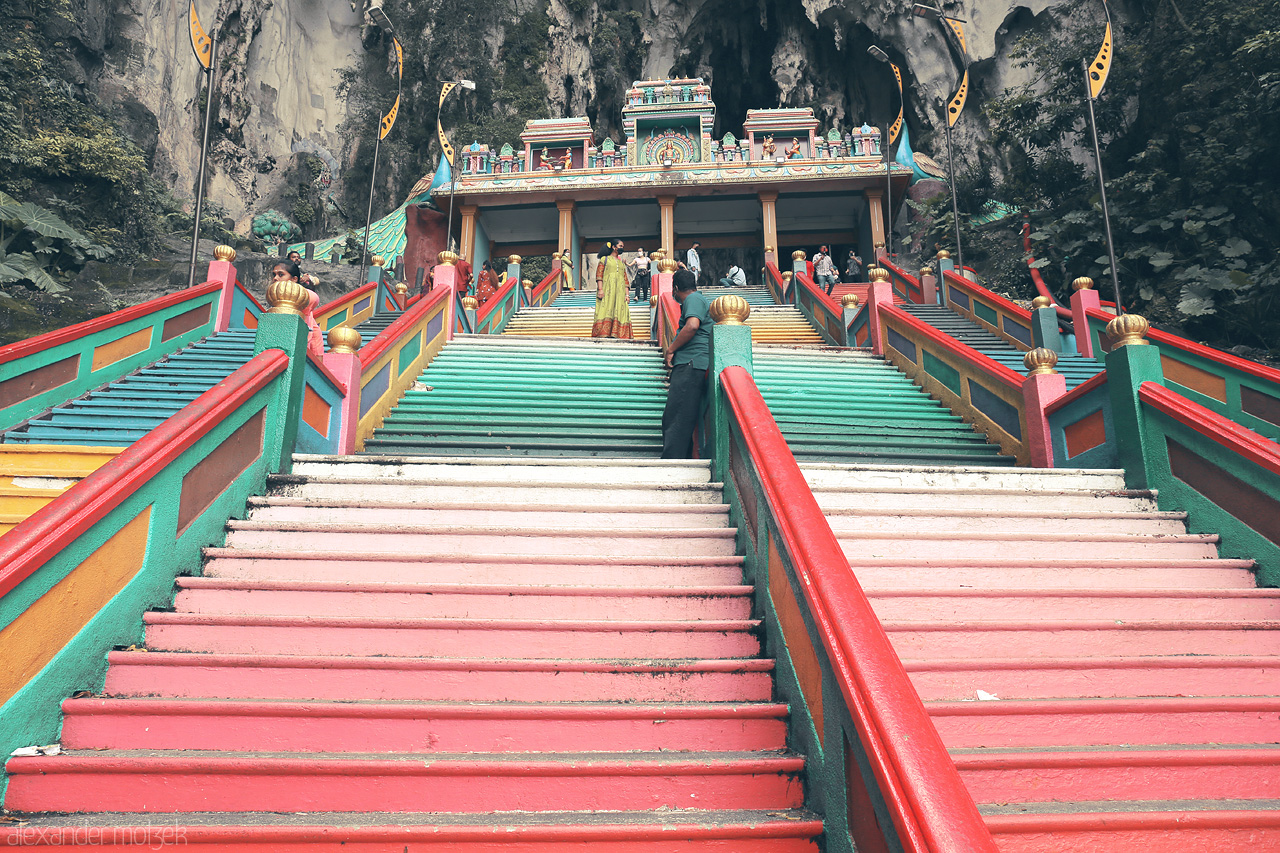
<point x="877" y="54"/>
<point x="923" y="10"/>
<point x="467" y="84"/>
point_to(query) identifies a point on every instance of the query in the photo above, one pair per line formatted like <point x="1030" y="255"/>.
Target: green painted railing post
<point x="1130" y="363"/>
<point x="284" y="329"/>
<point x="730" y="347"/>
<point x="1044" y="327"/>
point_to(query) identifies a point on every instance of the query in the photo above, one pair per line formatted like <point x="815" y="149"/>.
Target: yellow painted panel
<point x="804" y="660"/>
<point x="121" y="349"/>
<point x="53" y="460"/>
<point x="32" y="640"/>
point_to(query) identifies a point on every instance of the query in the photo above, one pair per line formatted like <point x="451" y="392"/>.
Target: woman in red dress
<point x="486" y="284"/>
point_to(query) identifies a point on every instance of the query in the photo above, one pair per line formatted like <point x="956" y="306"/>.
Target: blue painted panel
<point x="901" y="344"/>
<point x="1014" y="329"/>
<point x="434" y="325"/>
<point x="1004" y="415"/>
<point x="373" y="390"/>
<point x="959" y="297"/>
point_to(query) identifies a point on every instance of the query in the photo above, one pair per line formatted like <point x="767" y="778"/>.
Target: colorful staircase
<point x="123" y="411"/>
<point x="858" y="289"/>
<point x="532" y="396"/>
<point x="757" y="296"/>
<point x="33" y="475"/>
<point x="374" y="326"/>
<point x="1103" y="680"/>
<point x="477" y="654"/>
<point x="847" y="405"/>
<point x="1074" y="367"/>
<point x="571" y="316"/>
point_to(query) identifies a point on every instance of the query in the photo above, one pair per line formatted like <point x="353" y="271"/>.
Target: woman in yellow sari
<point x="613" y="314"/>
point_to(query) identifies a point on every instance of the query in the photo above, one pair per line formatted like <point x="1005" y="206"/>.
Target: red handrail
<point x="544" y="284"/>
<point x="913" y="283"/>
<point x="388" y="336"/>
<point x="831" y="304"/>
<point x="1082" y="390"/>
<point x="57" y="524"/>
<point x="493" y="301"/>
<point x="929" y="803"/>
<point x="1213" y="426"/>
<point x="1258" y="371"/>
<point x="30" y="346"/>
<point x="1036" y="278"/>
<point x="983" y="363"/>
<point x="346" y="297"/>
<point x="978" y="289"/>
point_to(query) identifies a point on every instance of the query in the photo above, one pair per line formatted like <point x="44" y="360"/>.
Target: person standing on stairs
<point x="613" y="311"/>
<point x="694" y="261"/>
<point x="641" y="263"/>
<point x="852" y="267"/>
<point x="486" y="284"/>
<point x="824" y="270"/>
<point x="688" y="356"/>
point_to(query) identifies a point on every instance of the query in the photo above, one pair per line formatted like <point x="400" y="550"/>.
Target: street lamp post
<point x="446" y="150"/>
<point x="1095" y="77"/>
<point x="385" y="123"/>
<point x="951" y="114"/>
<point x="890" y="135"/>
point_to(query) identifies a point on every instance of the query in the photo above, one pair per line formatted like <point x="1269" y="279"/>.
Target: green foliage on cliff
<point x="1190" y="127"/>
<point x="56" y="140"/>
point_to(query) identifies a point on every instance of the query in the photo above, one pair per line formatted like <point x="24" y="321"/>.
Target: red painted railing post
<point x="1081" y="301"/>
<point x="345" y="365"/>
<point x="222" y="271"/>
<point x="1038" y="391"/>
<point x="446" y="275"/>
<point x="880" y="293"/>
<point x="928" y="286"/>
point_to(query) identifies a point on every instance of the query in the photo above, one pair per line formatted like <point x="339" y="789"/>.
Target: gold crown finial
<point x="288" y="297"/>
<point x="557" y="256"/>
<point x="730" y="310"/>
<point x="877" y="274"/>
<point x="1040" y="361"/>
<point x="667" y="265"/>
<point x="527" y="283"/>
<point x="770" y="250"/>
<point x="879" y="244"/>
<point x="447" y="258"/>
<point x="224" y="253"/>
<point x="378" y="260"/>
<point x="514" y="259"/>
<point x="1082" y="283"/>
<point x="926" y="270"/>
<point x="849" y="300"/>
<point x="786" y="276"/>
<point x="470" y="303"/>
<point x="943" y="254"/>
<point x="402" y="288"/>
<point x="343" y="339"/>
<point x="1041" y="302"/>
<point x="653" y="299"/>
<point x="797" y="255"/>
<point x="1128" y="330"/>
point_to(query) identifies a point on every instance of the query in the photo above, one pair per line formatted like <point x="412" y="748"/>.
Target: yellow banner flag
<point x="399" y="58"/>
<point x="956" y="104"/>
<point x="958" y="29"/>
<point x="389" y="119"/>
<point x="444" y="143"/>
<point x="200" y="43"/>
<point x="1101" y="65"/>
<point x="896" y="127"/>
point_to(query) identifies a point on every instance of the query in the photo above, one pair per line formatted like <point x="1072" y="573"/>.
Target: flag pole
<point x="204" y="159"/>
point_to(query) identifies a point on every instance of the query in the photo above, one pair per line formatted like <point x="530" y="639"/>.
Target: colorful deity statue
<point x="768" y="147"/>
<point x="793" y="150"/>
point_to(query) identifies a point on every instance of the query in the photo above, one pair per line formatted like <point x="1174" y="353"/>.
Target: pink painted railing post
<point x="1084" y="298"/>
<point x="343" y="361"/>
<point x="221" y="271"/>
<point x="1042" y="386"/>
<point x="928" y="285"/>
<point x="446" y="275"/>
<point x="880" y="293"/>
<point x="662" y="279"/>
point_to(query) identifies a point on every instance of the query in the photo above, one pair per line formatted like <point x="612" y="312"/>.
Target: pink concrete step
<point x="758" y="831"/>
<point x="169" y="783"/>
<point x="493" y="638"/>
<point x="436" y="679"/>
<point x="1052" y="573"/>
<point x="1008" y="521"/>
<point x="447" y="540"/>
<point x="622" y="570"/>
<point x="1138" y="831"/>
<point x="292" y="510"/>
<point x="425" y="601"/>
<point x="1106" y="722"/>
<point x="995" y="501"/>
<point x="159" y="724"/>
<point x="1082" y="638"/>
<point x="1107" y="603"/>
<point x="998" y="544"/>
<point x="1116" y="677"/>
<point x="424" y="491"/>
<point x="1121" y="775"/>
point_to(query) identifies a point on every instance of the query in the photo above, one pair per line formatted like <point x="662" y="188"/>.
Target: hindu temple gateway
<point x="782" y="184"/>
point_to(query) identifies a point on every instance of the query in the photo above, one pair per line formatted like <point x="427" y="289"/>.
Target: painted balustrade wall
<point x="904" y="284"/>
<point x="1082" y="427"/>
<point x="546" y="291"/>
<point x="350" y="309"/>
<point x="990" y="311"/>
<point x="323" y="394"/>
<point x="493" y="315"/>
<point x="78" y="574"/>
<point x="821" y="310"/>
<point x="876" y="768"/>
<point x="58" y="366"/>
<point x="1242" y="391"/>
<point x="777" y="285"/>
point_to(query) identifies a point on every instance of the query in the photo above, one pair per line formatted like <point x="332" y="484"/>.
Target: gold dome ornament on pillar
<point x="1040" y="361"/>
<point x="769" y="250"/>
<point x="447" y="258"/>
<point x="402" y="289"/>
<point x="344" y="339"/>
<point x="876" y="274"/>
<point x="944" y="255"/>
<point x="1128" y="330"/>
<point x="224" y="253"/>
<point x="849" y="300"/>
<point x="287" y="297"/>
<point x="926" y="270"/>
<point x="786" y="276"/>
<point x="667" y="265"/>
<point x="1082" y="283"/>
<point x="653" y="299"/>
<point x="731" y="310"/>
<point x="1042" y="302"/>
<point x="797" y="255"/>
<point x="514" y="259"/>
<point x="378" y="261"/>
<point x="470" y="303"/>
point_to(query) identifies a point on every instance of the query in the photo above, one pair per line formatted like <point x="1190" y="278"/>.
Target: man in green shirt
<point x="688" y="356"/>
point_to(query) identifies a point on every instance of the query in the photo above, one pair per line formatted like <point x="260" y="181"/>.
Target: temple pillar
<point x="667" y="209"/>
<point x="564" y="232"/>
<point x="467" y="245"/>
<point x="875" y="205"/>
<point x="769" y="216"/>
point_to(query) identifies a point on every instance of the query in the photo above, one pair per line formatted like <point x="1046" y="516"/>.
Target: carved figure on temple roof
<point x="793" y="150"/>
<point x="544" y="160"/>
<point x="767" y="146"/>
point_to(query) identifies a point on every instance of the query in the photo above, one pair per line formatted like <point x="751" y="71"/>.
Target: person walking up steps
<point x="613" y="313"/>
<point x="694" y="261"/>
<point x="688" y="356"/>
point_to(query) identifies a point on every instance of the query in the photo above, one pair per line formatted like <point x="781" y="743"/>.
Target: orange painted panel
<point x="803" y="658"/>
<point x="1085" y="434"/>
<point x="315" y="411"/>
<point x="1194" y="378"/>
<point x="31" y="640"/>
<point x="121" y="348"/>
<point x="250" y="321"/>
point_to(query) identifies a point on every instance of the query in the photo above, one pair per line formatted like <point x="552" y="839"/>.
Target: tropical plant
<point x="38" y="247"/>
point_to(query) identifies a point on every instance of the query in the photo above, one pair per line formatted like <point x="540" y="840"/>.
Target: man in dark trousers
<point x="688" y="356"/>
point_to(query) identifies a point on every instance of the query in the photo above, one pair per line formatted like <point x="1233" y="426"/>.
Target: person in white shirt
<point x="824" y="270"/>
<point x="693" y="261"/>
<point x="640" y="263"/>
<point x="735" y="277"/>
